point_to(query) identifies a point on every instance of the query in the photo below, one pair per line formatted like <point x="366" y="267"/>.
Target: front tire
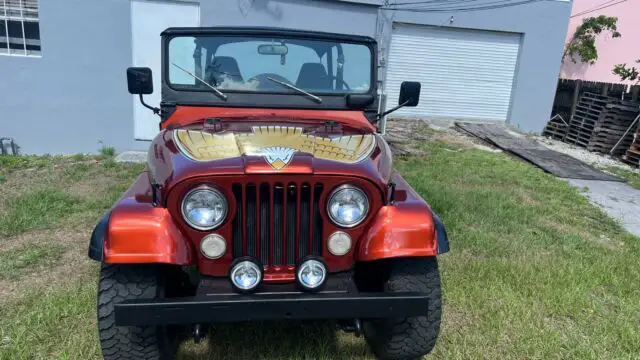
<point x="128" y="282"/>
<point x="413" y="337"/>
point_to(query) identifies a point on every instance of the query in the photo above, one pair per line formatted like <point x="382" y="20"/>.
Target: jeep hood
<point x="254" y="147"/>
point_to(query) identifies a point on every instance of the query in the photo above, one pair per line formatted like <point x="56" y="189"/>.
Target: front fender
<point x="136" y="231"/>
<point x="406" y="228"/>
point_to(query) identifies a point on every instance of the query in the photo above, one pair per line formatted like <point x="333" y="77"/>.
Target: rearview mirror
<point x="140" y="80"/>
<point x="273" y="49"/>
<point x="409" y="93"/>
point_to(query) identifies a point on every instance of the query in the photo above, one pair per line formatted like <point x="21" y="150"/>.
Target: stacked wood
<point x="632" y="155"/>
<point x="612" y="128"/>
<point x="584" y="120"/>
<point x="600" y="124"/>
<point x="556" y="128"/>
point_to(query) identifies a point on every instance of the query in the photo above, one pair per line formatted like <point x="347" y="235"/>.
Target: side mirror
<point x="409" y="96"/>
<point x="140" y="80"/>
<point x="409" y="93"/>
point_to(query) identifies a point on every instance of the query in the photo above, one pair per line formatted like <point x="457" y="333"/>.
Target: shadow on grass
<point x="276" y="340"/>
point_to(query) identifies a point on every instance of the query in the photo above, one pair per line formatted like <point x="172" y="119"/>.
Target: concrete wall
<point x="330" y="16"/>
<point x="75" y="94"/>
<point x="610" y="51"/>
<point x="542" y="25"/>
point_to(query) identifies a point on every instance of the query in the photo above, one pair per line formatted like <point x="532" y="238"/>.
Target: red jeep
<point x="268" y="195"/>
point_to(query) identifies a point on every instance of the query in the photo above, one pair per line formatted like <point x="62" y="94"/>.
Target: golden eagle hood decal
<point x="276" y="144"/>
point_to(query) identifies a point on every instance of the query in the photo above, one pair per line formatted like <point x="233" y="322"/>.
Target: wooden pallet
<point x="556" y="128"/>
<point x="632" y="156"/>
<point x="598" y="124"/>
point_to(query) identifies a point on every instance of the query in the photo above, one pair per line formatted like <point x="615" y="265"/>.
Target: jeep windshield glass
<point x="252" y="63"/>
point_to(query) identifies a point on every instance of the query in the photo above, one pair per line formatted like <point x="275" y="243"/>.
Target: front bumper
<point x="226" y="308"/>
<point x="216" y="302"/>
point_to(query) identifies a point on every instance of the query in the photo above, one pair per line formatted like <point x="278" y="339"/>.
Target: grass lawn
<point x="631" y="177"/>
<point x="534" y="272"/>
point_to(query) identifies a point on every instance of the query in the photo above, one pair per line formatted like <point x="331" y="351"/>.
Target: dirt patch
<point x="21" y="181"/>
<point x="73" y="264"/>
<point x="60" y="236"/>
<point x="407" y="137"/>
<point x="95" y="184"/>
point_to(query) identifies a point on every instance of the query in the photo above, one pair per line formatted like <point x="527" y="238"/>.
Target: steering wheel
<point x="266" y="84"/>
<point x="340" y="82"/>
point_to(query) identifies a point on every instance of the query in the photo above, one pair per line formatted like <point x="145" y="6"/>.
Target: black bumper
<point x="226" y="308"/>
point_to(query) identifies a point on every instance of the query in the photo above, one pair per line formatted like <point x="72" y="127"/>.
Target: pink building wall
<point x="610" y="51"/>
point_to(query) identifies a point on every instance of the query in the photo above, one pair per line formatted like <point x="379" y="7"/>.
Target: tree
<point x="627" y="73"/>
<point x="583" y="41"/>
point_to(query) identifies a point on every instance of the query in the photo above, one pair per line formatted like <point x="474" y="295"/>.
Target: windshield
<point x="261" y="64"/>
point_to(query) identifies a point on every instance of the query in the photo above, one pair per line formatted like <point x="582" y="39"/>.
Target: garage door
<point x="465" y="74"/>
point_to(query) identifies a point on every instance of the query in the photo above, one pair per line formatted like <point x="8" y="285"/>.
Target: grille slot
<point x="237" y="221"/>
<point x="264" y="222"/>
<point x="277" y="223"/>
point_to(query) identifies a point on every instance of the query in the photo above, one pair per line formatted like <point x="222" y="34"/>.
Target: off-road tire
<point x="413" y="337"/>
<point x="125" y="282"/>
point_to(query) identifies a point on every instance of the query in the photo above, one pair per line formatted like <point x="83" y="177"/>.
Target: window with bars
<point x="19" y="28"/>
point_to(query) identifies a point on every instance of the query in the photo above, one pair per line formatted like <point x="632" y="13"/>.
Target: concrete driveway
<point x="619" y="200"/>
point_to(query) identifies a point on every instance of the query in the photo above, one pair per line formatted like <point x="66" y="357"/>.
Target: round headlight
<point x="204" y="208"/>
<point x="311" y="274"/>
<point x="246" y="275"/>
<point x="347" y="206"/>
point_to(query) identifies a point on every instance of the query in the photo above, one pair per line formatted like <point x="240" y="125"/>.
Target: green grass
<point x="107" y="151"/>
<point x="37" y="209"/>
<point x="77" y="172"/>
<point x="50" y="325"/>
<point x="535" y="272"/>
<point x="632" y="177"/>
<point x="16" y="262"/>
<point x="11" y="162"/>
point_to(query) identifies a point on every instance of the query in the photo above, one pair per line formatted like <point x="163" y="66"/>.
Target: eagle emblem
<point x="277" y="156"/>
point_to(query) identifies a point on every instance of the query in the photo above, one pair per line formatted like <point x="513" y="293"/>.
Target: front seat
<point x="223" y="68"/>
<point x="313" y="76"/>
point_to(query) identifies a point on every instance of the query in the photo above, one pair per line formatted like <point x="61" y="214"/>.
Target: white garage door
<point x="465" y="74"/>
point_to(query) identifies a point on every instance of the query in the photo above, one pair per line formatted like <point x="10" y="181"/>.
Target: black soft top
<point x="267" y="31"/>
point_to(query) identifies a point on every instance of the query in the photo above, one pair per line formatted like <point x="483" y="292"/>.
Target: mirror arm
<point x="155" y="110"/>
<point x="379" y="116"/>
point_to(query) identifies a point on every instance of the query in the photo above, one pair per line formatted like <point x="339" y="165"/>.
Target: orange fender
<point x="135" y="231"/>
<point x="406" y="228"/>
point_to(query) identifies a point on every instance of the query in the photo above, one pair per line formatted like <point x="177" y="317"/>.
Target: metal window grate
<point x="19" y="28"/>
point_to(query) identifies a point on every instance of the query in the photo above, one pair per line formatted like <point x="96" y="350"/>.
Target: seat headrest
<point x="224" y="67"/>
<point x="313" y="76"/>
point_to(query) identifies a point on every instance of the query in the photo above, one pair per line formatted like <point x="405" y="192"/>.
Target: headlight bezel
<point x="204" y="188"/>
<point x="343" y="187"/>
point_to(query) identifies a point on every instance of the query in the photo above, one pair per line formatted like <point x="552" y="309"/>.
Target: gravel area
<point x="582" y="154"/>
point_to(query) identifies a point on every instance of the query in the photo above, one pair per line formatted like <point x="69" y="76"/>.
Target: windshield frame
<point x="172" y="93"/>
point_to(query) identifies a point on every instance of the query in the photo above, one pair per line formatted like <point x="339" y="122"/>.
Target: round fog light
<point x="246" y="275"/>
<point x="311" y="274"/>
<point x="339" y="243"/>
<point x="213" y="246"/>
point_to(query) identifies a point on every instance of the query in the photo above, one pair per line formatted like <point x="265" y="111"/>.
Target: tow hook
<point x="198" y="333"/>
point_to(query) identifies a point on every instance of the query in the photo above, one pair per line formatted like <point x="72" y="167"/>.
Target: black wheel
<point x="125" y="282"/>
<point x="407" y="338"/>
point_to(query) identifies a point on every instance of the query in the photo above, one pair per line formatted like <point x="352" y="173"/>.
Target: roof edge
<point x="264" y="31"/>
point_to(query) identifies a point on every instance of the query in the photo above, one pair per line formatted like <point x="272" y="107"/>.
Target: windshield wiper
<point x="287" y="85"/>
<point x="220" y="94"/>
